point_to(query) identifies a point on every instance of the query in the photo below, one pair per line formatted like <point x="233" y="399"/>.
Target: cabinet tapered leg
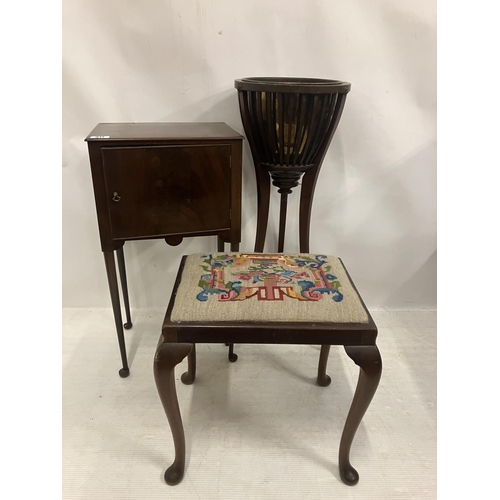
<point x="109" y="260"/>
<point x="220" y="244"/>
<point x="167" y="356"/>
<point x="123" y="278"/>
<point x="323" y="379"/>
<point x="370" y="364"/>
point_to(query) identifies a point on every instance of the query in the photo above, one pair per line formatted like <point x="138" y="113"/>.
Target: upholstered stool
<point x="269" y="299"/>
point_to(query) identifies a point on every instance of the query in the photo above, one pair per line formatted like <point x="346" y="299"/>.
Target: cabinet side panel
<point x="100" y="195"/>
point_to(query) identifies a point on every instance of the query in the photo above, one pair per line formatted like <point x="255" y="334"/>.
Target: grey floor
<point x="258" y="428"/>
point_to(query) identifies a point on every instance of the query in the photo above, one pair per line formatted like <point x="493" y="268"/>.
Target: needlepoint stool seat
<point x="266" y="287"/>
<point x="271" y="299"/>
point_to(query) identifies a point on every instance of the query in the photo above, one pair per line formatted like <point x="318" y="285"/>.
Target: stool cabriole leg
<point x="323" y="379"/>
<point x="370" y="364"/>
<point x="232" y="356"/>
<point x="189" y="377"/>
<point x="167" y="356"/>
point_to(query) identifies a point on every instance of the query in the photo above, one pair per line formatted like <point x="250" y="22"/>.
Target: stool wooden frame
<point x="178" y="340"/>
<point x="316" y="101"/>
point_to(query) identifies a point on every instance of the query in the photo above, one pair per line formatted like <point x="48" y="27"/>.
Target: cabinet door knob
<point x="116" y="197"/>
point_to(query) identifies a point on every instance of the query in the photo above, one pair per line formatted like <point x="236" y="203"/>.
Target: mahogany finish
<point x="166" y="359"/>
<point x="123" y="279"/>
<point x="323" y="379"/>
<point x="178" y="340"/>
<point x="162" y="190"/>
<point x="289" y="124"/>
<point x="162" y="180"/>
<point x="370" y="364"/>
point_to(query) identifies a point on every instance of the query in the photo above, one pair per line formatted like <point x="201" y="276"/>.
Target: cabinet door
<point x="162" y="190"/>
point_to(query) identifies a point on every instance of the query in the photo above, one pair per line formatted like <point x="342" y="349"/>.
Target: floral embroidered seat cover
<point x="266" y="287"/>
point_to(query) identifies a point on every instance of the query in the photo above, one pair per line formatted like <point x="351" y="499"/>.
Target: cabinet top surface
<point x="109" y="132"/>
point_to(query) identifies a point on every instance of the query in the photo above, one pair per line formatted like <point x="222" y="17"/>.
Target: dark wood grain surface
<point x="285" y="146"/>
<point x="166" y="190"/>
<point x="180" y="131"/>
<point x="162" y="180"/>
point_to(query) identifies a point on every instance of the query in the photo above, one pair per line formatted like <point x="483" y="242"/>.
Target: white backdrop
<point x="176" y="60"/>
